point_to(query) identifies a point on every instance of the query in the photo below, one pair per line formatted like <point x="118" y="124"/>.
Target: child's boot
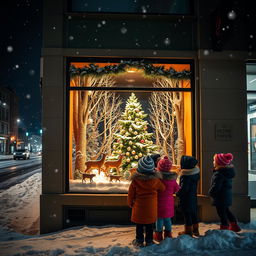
<point x="234" y="227"/>
<point x="187" y="231"/>
<point x="196" y="229"/>
<point x="158" y="236"/>
<point x="167" y="233"/>
<point x="223" y="227"/>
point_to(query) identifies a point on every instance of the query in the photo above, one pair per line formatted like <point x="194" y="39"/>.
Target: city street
<point x="15" y="171"/>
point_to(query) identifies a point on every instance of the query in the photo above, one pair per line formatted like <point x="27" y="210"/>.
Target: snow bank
<point x="116" y="240"/>
<point x="19" y="209"/>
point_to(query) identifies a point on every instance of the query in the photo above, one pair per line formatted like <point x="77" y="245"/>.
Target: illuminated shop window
<point x="120" y="112"/>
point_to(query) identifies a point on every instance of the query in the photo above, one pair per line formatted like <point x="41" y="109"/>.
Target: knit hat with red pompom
<point x="164" y="164"/>
<point x="222" y="159"/>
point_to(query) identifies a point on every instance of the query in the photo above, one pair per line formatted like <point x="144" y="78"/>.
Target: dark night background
<point x="20" y="50"/>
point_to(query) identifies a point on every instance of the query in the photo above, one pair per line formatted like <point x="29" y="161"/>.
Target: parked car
<point x="21" y="154"/>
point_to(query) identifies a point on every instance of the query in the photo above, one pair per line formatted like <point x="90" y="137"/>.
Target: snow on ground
<point x="19" y="214"/>
<point x="19" y="209"/>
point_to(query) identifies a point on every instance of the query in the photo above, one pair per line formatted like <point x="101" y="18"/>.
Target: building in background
<point x="8" y="120"/>
<point x="216" y="39"/>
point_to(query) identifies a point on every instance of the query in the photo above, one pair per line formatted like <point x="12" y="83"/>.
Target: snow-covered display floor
<point x="99" y="187"/>
<point x="19" y="213"/>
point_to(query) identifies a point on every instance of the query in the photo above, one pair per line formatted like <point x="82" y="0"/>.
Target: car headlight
<point x="23" y="153"/>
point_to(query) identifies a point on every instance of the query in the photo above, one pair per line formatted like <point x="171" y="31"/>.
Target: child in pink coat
<point x="166" y="199"/>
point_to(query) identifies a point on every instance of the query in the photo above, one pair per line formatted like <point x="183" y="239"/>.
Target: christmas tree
<point x="132" y="139"/>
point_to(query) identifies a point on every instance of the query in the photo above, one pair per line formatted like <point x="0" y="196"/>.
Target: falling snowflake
<point x="17" y="66"/>
<point x="232" y="15"/>
<point x="167" y="41"/>
<point x="54" y="28"/>
<point x="99" y="25"/>
<point x="103" y="22"/>
<point x="67" y="220"/>
<point x="31" y="72"/>
<point x="9" y="48"/>
<point x="251" y="36"/>
<point x="71" y="38"/>
<point x="56" y="170"/>
<point x="28" y="96"/>
<point x="143" y="9"/>
<point x="206" y="52"/>
<point x="123" y="30"/>
<point x="154" y="52"/>
<point x="69" y="17"/>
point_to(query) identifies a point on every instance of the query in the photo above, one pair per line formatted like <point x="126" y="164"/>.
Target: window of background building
<point x="251" y="125"/>
<point x="132" y="6"/>
<point x="119" y="113"/>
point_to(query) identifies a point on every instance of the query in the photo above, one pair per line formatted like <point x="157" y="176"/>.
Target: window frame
<point x="110" y="60"/>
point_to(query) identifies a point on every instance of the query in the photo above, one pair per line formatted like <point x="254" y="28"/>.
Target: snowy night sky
<point x="20" y="49"/>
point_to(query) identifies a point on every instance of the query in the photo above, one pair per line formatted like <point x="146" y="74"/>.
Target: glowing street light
<point x="18" y="120"/>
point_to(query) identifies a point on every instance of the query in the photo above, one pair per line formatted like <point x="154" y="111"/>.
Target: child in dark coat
<point x="189" y="177"/>
<point x="165" y="199"/>
<point x="221" y="190"/>
<point x="142" y="198"/>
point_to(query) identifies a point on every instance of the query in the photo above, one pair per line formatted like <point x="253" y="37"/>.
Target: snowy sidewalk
<point x="19" y="213"/>
<point x="6" y="157"/>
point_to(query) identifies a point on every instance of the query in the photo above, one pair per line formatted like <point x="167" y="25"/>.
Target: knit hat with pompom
<point x="222" y="159"/>
<point x="164" y="164"/>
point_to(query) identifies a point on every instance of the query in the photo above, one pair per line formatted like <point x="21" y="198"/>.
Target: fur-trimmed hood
<point x="142" y="176"/>
<point x="169" y="175"/>
<point x="192" y="171"/>
<point x="227" y="171"/>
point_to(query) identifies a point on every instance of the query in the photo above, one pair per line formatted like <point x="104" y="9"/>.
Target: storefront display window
<point x="251" y="124"/>
<point x="121" y="111"/>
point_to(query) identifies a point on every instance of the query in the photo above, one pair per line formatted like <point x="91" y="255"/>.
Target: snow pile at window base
<point x="116" y="240"/>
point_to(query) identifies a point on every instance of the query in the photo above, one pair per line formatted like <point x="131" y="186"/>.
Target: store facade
<point x="109" y="96"/>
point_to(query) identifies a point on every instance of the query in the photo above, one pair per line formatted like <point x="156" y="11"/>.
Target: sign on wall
<point x="223" y="132"/>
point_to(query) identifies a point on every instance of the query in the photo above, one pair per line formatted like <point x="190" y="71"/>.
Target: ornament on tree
<point x="130" y="129"/>
<point x="133" y="152"/>
<point x="122" y="131"/>
<point x="129" y="118"/>
<point x="127" y="153"/>
<point x="114" y="147"/>
<point x="135" y="133"/>
<point x="137" y="110"/>
<point x="130" y="142"/>
<point x="121" y="145"/>
<point x="142" y="141"/>
<point x="128" y="160"/>
<point x="151" y="142"/>
<point x="129" y="148"/>
<point x="136" y="157"/>
<point x="145" y="128"/>
<point x="127" y="134"/>
<point x="140" y="155"/>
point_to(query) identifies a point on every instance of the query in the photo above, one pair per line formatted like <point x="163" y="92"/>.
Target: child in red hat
<point x="165" y="200"/>
<point x="221" y="190"/>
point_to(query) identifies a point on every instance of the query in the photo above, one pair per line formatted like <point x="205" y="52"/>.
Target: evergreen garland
<point x="149" y="70"/>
